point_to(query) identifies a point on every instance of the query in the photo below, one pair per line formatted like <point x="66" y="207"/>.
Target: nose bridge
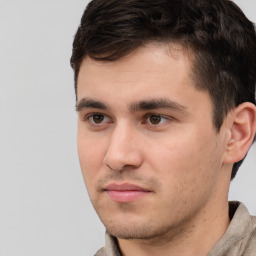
<point x="123" y="147"/>
<point x="122" y="132"/>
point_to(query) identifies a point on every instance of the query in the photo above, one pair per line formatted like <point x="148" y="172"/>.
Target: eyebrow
<point x="142" y="105"/>
<point x="157" y="104"/>
<point x="89" y="103"/>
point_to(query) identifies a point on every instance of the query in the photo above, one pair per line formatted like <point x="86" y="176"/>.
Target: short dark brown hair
<point x="220" y="36"/>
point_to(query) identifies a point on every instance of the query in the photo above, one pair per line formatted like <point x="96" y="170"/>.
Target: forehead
<point x="158" y="61"/>
<point x="154" y="71"/>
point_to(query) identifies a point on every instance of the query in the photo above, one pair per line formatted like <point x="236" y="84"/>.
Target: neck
<point x="196" y="237"/>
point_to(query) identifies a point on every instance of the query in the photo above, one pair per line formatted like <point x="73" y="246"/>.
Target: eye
<point x="97" y="119"/>
<point x="155" y="119"/>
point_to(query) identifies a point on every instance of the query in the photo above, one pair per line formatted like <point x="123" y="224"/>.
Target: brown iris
<point x="155" y="119"/>
<point x="97" y="118"/>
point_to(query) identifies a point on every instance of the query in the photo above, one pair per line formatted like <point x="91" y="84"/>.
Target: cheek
<point x="193" y="148"/>
<point x="177" y="153"/>
<point x="187" y="161"/>
<point x="91" y="154"/>
<point x="187" y="174"/>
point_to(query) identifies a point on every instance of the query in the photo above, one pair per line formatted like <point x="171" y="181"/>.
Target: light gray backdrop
<point x="44" y="208"/>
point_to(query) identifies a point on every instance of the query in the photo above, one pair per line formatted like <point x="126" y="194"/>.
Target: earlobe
<point x="241" y="133"/>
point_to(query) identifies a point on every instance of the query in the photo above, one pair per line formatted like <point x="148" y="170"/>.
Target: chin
<point x="130" y="231"/>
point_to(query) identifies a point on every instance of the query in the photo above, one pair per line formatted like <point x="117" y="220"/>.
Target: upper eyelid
<point x="86" y="117"/>
<point x="161" y="115"/>
<point x="89" y="114"/>
<point x="144" y="117"/>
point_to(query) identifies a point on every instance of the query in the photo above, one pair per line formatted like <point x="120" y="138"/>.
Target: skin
<point x="170" y="148"/>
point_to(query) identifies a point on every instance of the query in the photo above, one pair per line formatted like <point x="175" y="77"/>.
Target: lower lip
<point x="126" y="196"/>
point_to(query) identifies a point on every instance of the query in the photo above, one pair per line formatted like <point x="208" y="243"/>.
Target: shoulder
<point x="250" y="246"/>
<point x="100" y="252"/>
<point x="111" y="247"/>
<point x="240" y="237"/>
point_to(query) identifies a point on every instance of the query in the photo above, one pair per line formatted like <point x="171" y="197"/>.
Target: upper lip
<point x="124" y="187"/>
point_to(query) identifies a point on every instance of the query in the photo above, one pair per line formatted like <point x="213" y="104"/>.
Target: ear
<point x="242" y="127"/>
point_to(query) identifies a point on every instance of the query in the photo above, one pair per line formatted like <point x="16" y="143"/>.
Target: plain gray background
<point x="44" y="208"/>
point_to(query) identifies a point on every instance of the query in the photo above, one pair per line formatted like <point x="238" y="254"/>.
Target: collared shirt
<point x="239" y="239"/>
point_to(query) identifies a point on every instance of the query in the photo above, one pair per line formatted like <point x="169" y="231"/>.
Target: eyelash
<point x="151" y="115"/>
<point x="87" y="118"/>
<point x="145" y="118"/>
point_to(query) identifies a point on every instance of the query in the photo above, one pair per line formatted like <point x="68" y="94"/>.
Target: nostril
<point x="127" y="167"/>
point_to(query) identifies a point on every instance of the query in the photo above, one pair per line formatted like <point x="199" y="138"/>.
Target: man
<point x="166" y="113"/>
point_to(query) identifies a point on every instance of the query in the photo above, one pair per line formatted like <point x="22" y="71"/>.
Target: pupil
<point x="98" y="118"/>
<point x="155" y="119"/>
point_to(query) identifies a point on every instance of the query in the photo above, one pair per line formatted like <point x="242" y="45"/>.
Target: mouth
<point x="126" y="192"/>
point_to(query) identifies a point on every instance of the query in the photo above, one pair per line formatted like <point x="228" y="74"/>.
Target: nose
<point x="124" y="149"/>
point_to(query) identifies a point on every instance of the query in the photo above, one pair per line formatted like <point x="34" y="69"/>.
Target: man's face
<point x="149" y="153"/>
